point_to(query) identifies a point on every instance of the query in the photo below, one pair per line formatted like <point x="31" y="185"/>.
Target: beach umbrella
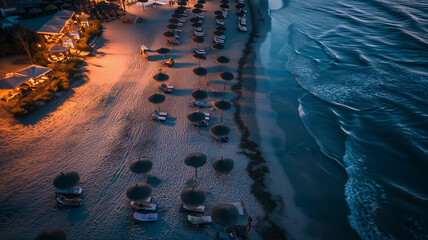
<point x="35" y="11"/>
<point x="181" y="8"/>
<point x="221" y="60"/>
<point x="182" y="3"/>
<point x="66" y="180"/>
<point x="199" y="94"/>
<point x="225" y="214"/>
<point x="195" y="160"/>
<point x="176" y="15"/>
<point x="239" y="5"/>
<point x="52" y="234"/>
<point x="216" y="47"/>
<point x="221" y="28"/>
<point x="28" y="7"/>
<point x="197" y="40"/>
<point x="218" y="33"/>
<point x="240" y="14"/>
<point x="157" y="98"/>
<point x="178" y="11"/>
<point x="200" y="72"/>
<point x="59" y="2"/>
<point x="199" y="57"/>
<point x="161" y="77"/>
<point x="66" y="5"/>
<point x="43" y="4"/>
<point x="50" y="8"/>
<point x="173" y="20"/>
<point x="193" y="197"/>
<point x="139" y="192"/>
<point x="195" y="19"/>
<point x="218" y="12"/>
<point x="201" y="1"/>
<point x="224" y="1"/>
<point x="198" y="5"/>
<point x="225" y="6"/>
<point x="168" y="34"/>
<point x="196" y="25"/>
<point x="195" y="117"/>
<point x="220" y="17"/>
<point x="226" y="76"/>
<point x="172" y="26"/>
<point x="141" y="166"/>
<point x="222" y="105"/>
<point x="163" y="51"/>
<point x="223" y="166"/>
<point x="219" y="130"/>
<point x="196" y="10"/>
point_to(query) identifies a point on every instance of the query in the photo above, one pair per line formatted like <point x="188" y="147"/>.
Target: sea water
<point x="363" y="66"/>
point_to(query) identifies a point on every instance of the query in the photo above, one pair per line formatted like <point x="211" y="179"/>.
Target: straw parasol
<point x="66" y="5"/>
<point x="172" y="26"/>
<point x="196" y="10"/>
<point x="168" y="34"/>
<point x="141" y="166"/>
<point x="201" y="2"/>
<point x="160" y="77"/>
<point x="216" y="47"/>
<point x="225" y="6"/>
<point x="200" y="72"/>
<point x="218" y="33"/>
<point x="173" y="20"/>
<point x="224" y="1"/>
<point x="220" y="17"/>
<point x="50" y="8"/>
<point x="221" y="28"/>
<point x="52" y="234"/>
<point x="66" y="180"/>
<point x="219" y="130"/>
<point x="223" y="166"/>
<point x="221" y="60"/>
<point x="192" y="197"/>
<point x="196" y="25"/>
<point x="182" y="3"/>
<point x="194" y="19"/>
<point x="142" y="3"/>
<point x="226" y="76"/>
<point x="199" y="94"/>
<point x="35" y="11"/>
<point x="225" y="214"/>
<point x="139" y="191"/>
<point x="157" y="98"/>
<point x="198" y="5"/>
<point x="181" y="8"/>
<point x="197" y="40"/>
<point x="176" y="15"/>
<point x="240" y="5"/>
<point x="163" y="51"/>
<point x="199" y="57"/>
<point x="218" y="12"/>
<point x="222" y="105"/>
<point x="196" y="117"/>
<point x="195" y="160"/>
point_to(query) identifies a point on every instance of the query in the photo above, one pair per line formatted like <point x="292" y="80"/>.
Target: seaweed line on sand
<point x="256" y="168"/>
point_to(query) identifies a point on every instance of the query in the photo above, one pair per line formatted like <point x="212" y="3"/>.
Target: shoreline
<point x="257" y="167"/>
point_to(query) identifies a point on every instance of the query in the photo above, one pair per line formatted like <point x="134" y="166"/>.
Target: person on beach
<point x="249" y="222"/>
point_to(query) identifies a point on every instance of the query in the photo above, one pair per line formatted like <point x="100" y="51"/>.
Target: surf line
<point x="256" y="168"/>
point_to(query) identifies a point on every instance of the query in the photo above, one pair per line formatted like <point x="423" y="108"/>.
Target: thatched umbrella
<point x="172" y="26"/>
<point x="195" y="160"/>
<point x="221" y="28"/>
<point x="226" y="76"/>
<point x="200" y="72"/>
<point x="219" y="130"/>
<point x="35" y="11"/>
<point x="194" y="19"/>
<point x="222" y="105"/>
<point x="43" y="4"/>
<point x="196" y="10"/>
<point x="198" y="5"/>
<point x="224" y="1"/>
<point x="176" y="15"/>
<point x="52" y="234"/>
<point x="66" y="180"/>
<point x="157" y="98"/>
<point x="66" y="5"/>
<point x="59" y="2"/>
<point x="163" y="51"/>
<point x="199" y="57"/>
<point x="139" y="192"/>
<point x="218" y="12"/>
<point x="178" y="11"/>
<point x="196" y="25"/>
<point x="221" y="60"/>
<point x="182" y="3"/>
<point x="218" y="33"/>
<point x="220" y="17"/>
<point x="225" y="6"/>
<point x="173" y="20"/>
<point x="201" y="2"/>
<point x="239" y="5"/>
<point x="225" y="214"/>
<point x="196" y="117"/>
<point x="168" y="34"/>
<point x="141" y="166"/>
<point x="50" y="8"/>
<point x="240" y="14"/>
<point x="197" y="40"/>
<point x="182" y="8"/>
<point x="160" y="77"/>
<point x="193" y="197"/>
<point x="223" y="166"/>
<point x="199" y="94"/>
<point x="216" y="47"/>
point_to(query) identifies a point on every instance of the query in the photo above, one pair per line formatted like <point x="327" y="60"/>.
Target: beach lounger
<point x="242" y="28"/>
<point x="73" y="191"/>
<point x="197" y="221"/>
<point x="157" y="117"/>
<point x="182" y="20"/>
<point x="199" y="29"/>
<point x="180" y="24"/>
<point x="224" y="14"/>
<point x="222" y="139"/>
<point x="202" y="123"/>
<point x="200" y="209"/>
<point x="217" y="40"/>
<point x="146" y="217"/>
<point x="200" y="34"/>
<point x="200" y="51"/>
<point x="200" y="16"/>
<point x="227" y="236"/>
<point x="168" y="86"/>
<point x="162" y="114"/>
<point x="143" y="206"/>
<point x="221" y="23"/>
<point x="165" y="90"/>
<point x="199" y="104"/>
<point x="243" y="21"/>
<point x="173" y="42"/>
<point x="63" y="201"/>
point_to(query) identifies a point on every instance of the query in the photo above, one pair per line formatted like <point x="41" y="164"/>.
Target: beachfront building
<point x="58" y="53"/>
<point x="16" y="85"/>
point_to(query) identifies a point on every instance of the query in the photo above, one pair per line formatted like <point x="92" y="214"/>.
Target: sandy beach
<point x="103" y="124"/>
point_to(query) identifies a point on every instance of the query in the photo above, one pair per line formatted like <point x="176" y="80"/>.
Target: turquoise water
<point x="363" y="66"/>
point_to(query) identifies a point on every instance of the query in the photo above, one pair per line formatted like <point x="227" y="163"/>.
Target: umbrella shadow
<point x="153" y="180"/>
<point x="183" y="65"/>
<point x="181" y="92"/>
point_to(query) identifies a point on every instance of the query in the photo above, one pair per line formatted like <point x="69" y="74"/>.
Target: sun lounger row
<point x="166" y="89"/>
<point x="198" y="221"/>
<point x="200" y="51"/>
<point x="146" y="217"/>
<point x="63" y="201"/>
<point x="143" y="206"/>
<point x="199" y="103"/>
<point x="72" y="191"/>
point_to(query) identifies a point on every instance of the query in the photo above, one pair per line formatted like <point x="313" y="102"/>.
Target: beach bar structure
<point x="58" y="53"/>
<point x="24" y="81"/>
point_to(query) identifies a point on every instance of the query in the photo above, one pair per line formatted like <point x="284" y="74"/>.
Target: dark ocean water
<point x="364" y="68"/>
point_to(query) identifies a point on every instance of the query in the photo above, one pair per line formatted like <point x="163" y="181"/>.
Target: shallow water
<point x="364" y="68"/>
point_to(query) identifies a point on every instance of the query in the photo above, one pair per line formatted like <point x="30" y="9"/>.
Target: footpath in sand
<point x="103" y="124"/>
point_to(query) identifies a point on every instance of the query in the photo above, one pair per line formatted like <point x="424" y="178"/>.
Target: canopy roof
<point x="57" y="49"/>
<point x="34" y="71"/>
<point x="83" y="17"/>
<point x="13" y="82"/>
<point x="64" y="14"/>
<point x="56" y="24"/>
<point x="50" y="29"/>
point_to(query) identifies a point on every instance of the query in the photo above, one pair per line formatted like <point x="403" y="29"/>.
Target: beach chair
<point x="72" y="191"/>
<point x="200" y="34"/>
<point x="199" y="209"/>
<point x="242" y="28"/>
<point x="162" y="114"/>
<point x="224" y="14"/>
<point x="222" y="37"/>
<point x="200" y="51"/>
<point x="222" y="139"/>
<point x="180" y="24"/>
<point x="157" y="117"/>
<point x="63" y="201"/>
<point x="202" y="123"/>
<point x="165" y="90"/>
<point x="177" y="30"/>
<point x="198" y="29"/>
<point x="173" y="42"/>
<point x="198" y="221"/>
<point x="146" y="217"/>
<point x="198" y="104"/>
<point x="143" y="206"/>
<point x="243" y="21"/>
<point x="217" y="40"/>
<point x="167" y="86"/>
<point x="219" y="22"/>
